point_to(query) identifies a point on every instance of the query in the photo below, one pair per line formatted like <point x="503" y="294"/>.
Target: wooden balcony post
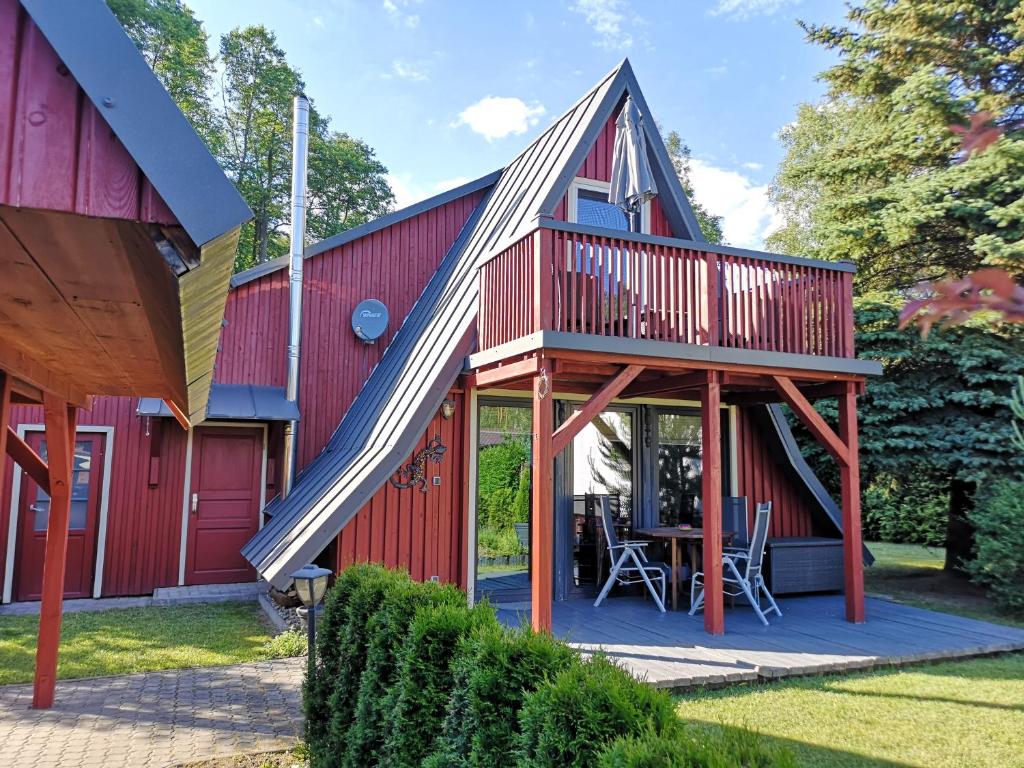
<point x="543" y="270"/>
<point x="711" y="502"/>
<point x="846" y="314"/>
<point x="710" y="331"/>
<point x="542" y="524"/>
<point x="59" y="418"/>
<point x="849" y="478"/>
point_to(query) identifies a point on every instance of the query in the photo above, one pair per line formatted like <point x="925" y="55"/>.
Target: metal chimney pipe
<point x="300" y="150"/>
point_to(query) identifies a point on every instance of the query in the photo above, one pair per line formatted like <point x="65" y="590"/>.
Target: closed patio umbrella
<point x="632" y="182"/>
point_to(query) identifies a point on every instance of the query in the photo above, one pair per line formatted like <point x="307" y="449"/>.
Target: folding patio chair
<point x="629" y="562"/>
<point x="741" y="571"/>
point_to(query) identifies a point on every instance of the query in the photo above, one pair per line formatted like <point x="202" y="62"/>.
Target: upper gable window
<point x="588" y="205"/>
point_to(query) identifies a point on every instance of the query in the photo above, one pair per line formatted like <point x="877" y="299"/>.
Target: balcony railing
<point x="564" y="277"/>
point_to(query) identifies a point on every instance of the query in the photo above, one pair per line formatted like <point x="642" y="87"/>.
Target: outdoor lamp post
<point x="311" y="584"/>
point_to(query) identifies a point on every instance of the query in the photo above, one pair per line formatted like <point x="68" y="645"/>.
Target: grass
<point x="123" y="641"/>
<point x="913" y="574"/>
<point x="967" y="713"/>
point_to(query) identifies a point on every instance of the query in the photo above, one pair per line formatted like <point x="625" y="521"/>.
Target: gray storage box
<point x="804" y="565"/>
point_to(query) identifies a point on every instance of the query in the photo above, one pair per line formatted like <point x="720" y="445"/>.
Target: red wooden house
<point x="518" y="290"/>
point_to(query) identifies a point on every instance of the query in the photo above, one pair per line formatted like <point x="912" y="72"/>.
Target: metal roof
<point x="245" y="402"/>
<point x="117" y="80"/>
<point x="406" y="388"/>
<point x="349" y="235"/>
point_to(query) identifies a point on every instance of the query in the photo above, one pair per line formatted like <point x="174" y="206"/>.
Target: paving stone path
<point x="155" y="719"/>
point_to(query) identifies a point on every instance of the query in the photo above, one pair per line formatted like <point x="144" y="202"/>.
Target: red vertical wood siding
<point x="394" y="265"/>
<point x="254" y="340"/>
<point x="144" y="522"/>
<point x="56" y="150"/>
<point x="598" y="166"/>
<point x="762" y="477"/>
<point x="406" y="528"/>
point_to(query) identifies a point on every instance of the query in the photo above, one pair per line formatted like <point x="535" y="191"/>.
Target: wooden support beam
<point x="506" y="373"/>
<point x="667" y="384"/>
<point x="811" y="392"/>
<point x="849" y="480"/>
<point x="711" y="502"/>
<point x="179" y="415"/>
<point x="30" y="461"/>
<point x="811" y="419"/>
<point x="542" y="527"/>
<point x="597" y="403"/>
<point x="5" y="418"/>
<point x="59" y="418"/>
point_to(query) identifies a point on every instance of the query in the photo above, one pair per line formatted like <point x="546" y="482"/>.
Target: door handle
<point x="195" y="503"/>
<point x="34" y="508"/>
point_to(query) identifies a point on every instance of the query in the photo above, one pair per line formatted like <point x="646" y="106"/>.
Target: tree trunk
<point x="261" y="238"/>
<point x="959" y="531"/>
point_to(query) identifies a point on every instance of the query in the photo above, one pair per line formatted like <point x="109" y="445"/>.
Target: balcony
<point x="715" y="303"/>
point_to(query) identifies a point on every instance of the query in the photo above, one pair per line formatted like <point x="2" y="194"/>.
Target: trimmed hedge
<point x="493" y="676"/>
<point x="569" y="720"/>
<point x="998" y="564"/>
<point x="426" y="678"/>
<point x="387" y="629"/>
<point x="695" y="748"/>
<point x="408" y="675"/>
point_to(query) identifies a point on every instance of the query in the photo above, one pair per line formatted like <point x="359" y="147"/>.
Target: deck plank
<point x="672" y="650"/>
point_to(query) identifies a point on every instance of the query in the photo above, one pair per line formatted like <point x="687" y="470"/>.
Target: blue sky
<point x="447" y="91"/>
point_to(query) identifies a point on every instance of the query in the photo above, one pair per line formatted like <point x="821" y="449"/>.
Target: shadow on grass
<point x="804" y="754"/>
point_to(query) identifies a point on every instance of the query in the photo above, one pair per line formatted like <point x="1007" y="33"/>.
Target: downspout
<point x="300" y="148"/>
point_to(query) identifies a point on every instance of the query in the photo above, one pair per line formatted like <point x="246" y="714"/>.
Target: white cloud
<point x="740" y="10"/>
<point x="408" y="191"/>
<point x="396" y="11"/>
<point x="495" y="117"/>
<point x="748" y="217"/>
<point x="609" y="19"/>
<point x="445" y="184"/>
<point x="417" y="72"/>
<point x="752" y="166"/>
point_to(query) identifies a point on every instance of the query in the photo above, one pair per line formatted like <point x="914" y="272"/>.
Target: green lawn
<point x="118" y="642"/>
<point x="956" y="714"/>
<point x="912" y="574"/>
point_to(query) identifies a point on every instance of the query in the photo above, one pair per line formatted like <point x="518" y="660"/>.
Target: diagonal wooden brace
<point x="597" y="403"/>
<point x="30" y="461"/>
<point x="811" y="419"/>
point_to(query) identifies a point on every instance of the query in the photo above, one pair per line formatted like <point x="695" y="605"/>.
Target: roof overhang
<point x="234" y="402"/>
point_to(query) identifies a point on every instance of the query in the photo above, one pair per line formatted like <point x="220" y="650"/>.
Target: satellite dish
<point x="370" y="320"/>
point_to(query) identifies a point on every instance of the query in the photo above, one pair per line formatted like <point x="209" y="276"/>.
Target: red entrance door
<point x="224" y="506"/>
<point x="34" y="512"/>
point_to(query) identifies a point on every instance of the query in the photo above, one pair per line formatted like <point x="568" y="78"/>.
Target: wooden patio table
<point x="692" y="536"/>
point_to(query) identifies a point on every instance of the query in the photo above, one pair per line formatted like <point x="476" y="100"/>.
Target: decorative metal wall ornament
<point x="545" y="384"/>
<point x="415" y="472"/>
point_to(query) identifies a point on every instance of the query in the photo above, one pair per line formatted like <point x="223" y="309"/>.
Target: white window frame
<point x="101" y="531"/>
<point x="594" y="185"/>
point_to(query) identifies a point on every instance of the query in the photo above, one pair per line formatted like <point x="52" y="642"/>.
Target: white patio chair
<point x="742" y="571"/>
<point x="629" y="562"/>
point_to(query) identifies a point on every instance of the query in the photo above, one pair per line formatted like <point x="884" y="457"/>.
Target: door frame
<point x="187" y="484"/>
<point x="101" y="533"/>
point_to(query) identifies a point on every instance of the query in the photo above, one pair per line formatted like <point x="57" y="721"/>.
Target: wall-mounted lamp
<point x="448" y="408"/>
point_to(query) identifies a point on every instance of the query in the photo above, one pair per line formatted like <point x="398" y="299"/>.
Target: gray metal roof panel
<point x="117" y="80"/>
<point x="244" y="402"/>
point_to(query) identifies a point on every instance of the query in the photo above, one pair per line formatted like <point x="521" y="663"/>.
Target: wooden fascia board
<point x="505" y="373"/>
<point x="597" y="403"/>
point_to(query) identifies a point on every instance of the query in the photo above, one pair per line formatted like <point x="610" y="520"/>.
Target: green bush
<point x="998" y="520"/>
<point x="569" y="720"/>
<point x="521" y="502"/>
<point x="912" y="510"/>
<point x="291" y="642"/>
<point x="499" y="466"/>
<point x="329" y="666"/>
<point x="498" y="543"/>
<point x="426" y="678"/>
<point x="350" y="653"/>
<point x="499" y="508"/>
<point x="492" y="678"/>
<point x="387" y="630"/>
<point x="693" y="747"/>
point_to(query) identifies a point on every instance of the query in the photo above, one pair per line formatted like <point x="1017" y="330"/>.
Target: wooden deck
<point x="672" y="650"/>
